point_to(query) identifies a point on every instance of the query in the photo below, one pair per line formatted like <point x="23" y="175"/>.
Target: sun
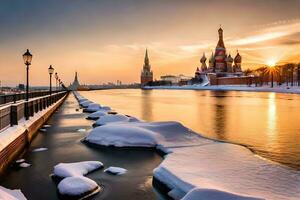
<point x="271" y="63"/>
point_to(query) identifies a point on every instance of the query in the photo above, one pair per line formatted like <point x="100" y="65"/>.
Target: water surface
<point x="268" y="123"/>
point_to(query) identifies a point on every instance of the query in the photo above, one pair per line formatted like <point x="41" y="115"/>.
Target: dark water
<point x="63" y="143"/>
<point x="268" y="123"/>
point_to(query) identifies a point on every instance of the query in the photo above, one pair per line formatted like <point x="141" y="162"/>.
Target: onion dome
<point x="203" y="59"/>
<point x="212" y="58"/>
<point x="238" y="58"/>
<point x="229" y="59"/>
<point x="197" y="71"/>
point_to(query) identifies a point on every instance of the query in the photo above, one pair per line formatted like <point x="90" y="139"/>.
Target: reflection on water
<point x="266" y="122"/>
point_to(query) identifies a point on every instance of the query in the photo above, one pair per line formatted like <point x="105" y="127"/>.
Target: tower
<point x="75" y="84"/>
<point x="211" y="65"/>
<point x="203" y="63"/>
<point x="229" y="61"/>
<point x="237" y="63"/>
<point x="220" y="53"/>
<point x="146" y="74"/>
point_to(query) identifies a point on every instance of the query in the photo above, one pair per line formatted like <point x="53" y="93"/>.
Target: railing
<point x="9" y="98"/>
<point x="11" y="114"/>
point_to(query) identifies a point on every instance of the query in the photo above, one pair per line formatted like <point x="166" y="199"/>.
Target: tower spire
<point x="146" y="61"/>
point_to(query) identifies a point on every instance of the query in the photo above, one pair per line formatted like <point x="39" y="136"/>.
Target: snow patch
<point x="85" y="104"/>
<point x="97" y="115"/>
<point x="40" y="149"/>
<point x="81" y="130"/>
<point x="7" y="194"/>
<point x="77" y="186"/>
<point x="76" y="169"/>
<point x="43" y="130"/>
<point x="24" y="165"/>
<point x="20" y="160"/>
<point x="92" y="107"/>
<point x="106" y="119"/>
<point x="204" y="194"/>
<point x="115" y="170"/>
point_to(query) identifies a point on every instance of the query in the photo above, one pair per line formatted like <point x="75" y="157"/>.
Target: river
<point x="268" y="123"/>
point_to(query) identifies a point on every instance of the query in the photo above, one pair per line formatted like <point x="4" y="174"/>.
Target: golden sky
<point x="106" y="40"/>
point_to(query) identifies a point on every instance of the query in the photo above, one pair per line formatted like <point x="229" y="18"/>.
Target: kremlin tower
<point x="146" y="74"/>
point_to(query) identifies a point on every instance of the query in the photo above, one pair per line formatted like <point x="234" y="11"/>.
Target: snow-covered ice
<point x="40" y="149"/>
<point x="24" y="165"/>
<point x="106" y="119"/>
<point x="76" y="169"/>
<point x="115" y="170"/>
<point x="122" y="135"/>
<point x="7" y="194"/>
<point x="145" y="134"/>
<point x="199" y="168"/>
<point x="77" y="186"/>
<point x="85" y="104"/>
<point x="97" y="115"/>
<point x="210" y="194"/>
<point x="92" y="107"/>
<point x="20" y="160"/>
<point x="229" y="168"/>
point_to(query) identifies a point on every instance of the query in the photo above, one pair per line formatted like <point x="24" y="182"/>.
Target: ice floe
<point x="229" y="168"/>
<point x="106" y="119"/>
<point x="40" y="149"/>
<point x="43" y="130"/>
<point x="205" y="194"/>
<point x="115" y="170"/>
<point x="97" y="115"/>
<point x="24" y="165"/>
<point x="7" y="194"/>
<point x="63" y="170"/>
<point x="85" y="104"/>
<point x="92" y="107"/>
<point x="20" y="160"/>
<point x="77" y="186"/>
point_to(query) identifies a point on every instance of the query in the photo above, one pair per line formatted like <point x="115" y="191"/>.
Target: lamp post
<point x="56" y="78"/>
<point x="59" y="84"/>
<point x="27" y="57"/>
<point x="51" y="71"/>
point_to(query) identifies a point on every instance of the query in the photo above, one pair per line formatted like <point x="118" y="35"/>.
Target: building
<point x="176" y="80"/>
<point x="146" y="74"/>
<point x="76" y="85"/>
<point x="220" y="62"/>
<point x="222" y="68"/>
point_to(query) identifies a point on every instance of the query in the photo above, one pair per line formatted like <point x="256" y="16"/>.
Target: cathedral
<point x="146" y="74"/>
<point x="221" y="63"/>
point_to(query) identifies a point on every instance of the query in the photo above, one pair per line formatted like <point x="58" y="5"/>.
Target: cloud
<point x="271" y="32"/>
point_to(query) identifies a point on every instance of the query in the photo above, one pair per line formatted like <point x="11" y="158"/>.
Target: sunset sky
<point x="105" y="40"/>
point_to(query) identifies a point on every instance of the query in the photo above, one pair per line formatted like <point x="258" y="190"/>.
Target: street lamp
<point x="51" y="71"/>
<point x="56" y="78"/>
<point x="27" y="57"/>
<point x="59" y="84"/>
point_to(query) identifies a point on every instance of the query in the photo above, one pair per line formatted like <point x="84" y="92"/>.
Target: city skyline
<point x="106" y="41"/>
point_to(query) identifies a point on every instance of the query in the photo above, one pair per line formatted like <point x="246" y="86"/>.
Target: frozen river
<point x="268" y="123"/>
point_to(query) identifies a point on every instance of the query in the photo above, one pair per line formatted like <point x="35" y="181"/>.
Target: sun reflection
<point x="272" y="115"/>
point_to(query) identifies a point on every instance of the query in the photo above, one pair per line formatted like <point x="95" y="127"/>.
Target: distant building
<point x="76" y="85"/>
<point x="220" y="62"/>
<point x="176" y="80"/>
<point x="146" y="74"/>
